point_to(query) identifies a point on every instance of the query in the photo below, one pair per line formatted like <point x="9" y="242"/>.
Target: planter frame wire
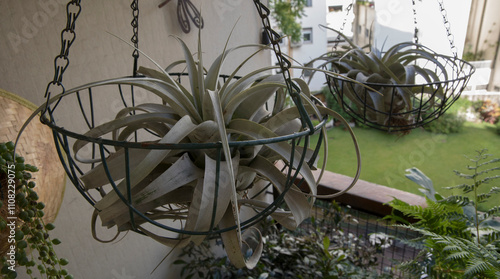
<point x="100" y="147"/>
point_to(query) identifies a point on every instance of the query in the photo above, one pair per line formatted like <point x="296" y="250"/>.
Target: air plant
<point x="199" y="190"/>
<point x="401" y="84"/>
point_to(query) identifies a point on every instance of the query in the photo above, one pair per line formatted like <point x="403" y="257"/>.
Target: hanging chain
<point x="337" y="40"/>
<point x="284" y="63"/>
<point x="135" y="36"/>
<point x="447" y="26"/>
<point x="68" y="36"/>
<point x="415" y="33"/>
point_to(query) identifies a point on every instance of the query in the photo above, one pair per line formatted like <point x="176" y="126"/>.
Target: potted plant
<point x="405" y="86"/>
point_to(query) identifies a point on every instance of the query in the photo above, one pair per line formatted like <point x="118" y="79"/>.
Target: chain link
<point x="284" y="64"/>
<point x="135" y="36"/>
<point x="68" y="36"/>
<point x="415" y="33"/>
<point x="337" y="40"/>
<point x="447" y="26"/>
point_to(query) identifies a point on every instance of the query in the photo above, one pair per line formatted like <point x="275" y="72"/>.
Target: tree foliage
<point x="287" y="13"/>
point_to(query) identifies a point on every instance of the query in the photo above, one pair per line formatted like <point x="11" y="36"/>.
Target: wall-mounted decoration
<point x="187" y="13"/>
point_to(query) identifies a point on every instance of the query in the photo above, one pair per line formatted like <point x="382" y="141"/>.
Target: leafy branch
<point x="286" y="13"/>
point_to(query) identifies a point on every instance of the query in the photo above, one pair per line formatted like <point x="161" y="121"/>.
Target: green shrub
<point x="446" y="124"/>
<point x="488" y="111"/>
<point x="498" y="127"/>
<point x="332" y="104"/>
<point x="320" y="250"/>
<point x="460" y="240"/>
<point x="460" y="105"/>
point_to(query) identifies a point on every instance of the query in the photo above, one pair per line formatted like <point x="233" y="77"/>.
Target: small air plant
<point x="400" y="84"/>
<point x="205" y="189"/>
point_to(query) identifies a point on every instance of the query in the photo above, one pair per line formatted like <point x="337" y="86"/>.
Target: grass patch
<point x="385" y="157"/>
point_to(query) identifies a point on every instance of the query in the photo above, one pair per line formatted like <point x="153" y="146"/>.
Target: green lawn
<point x="386" y="157"/>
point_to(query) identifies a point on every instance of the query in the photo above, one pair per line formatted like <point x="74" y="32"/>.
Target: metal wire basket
<point x="400" y="111"/>
<point x="164" y="218"/>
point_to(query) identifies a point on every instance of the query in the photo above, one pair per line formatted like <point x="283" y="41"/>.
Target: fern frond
<point x="450" y="248"/>
<point x="486" y="180"/>
<point x="466" y="188"/>
<point x="487" y="171"/>
<point x="418" y="265"/>
<point x="415" y="243"/>
<point x="477" y="267"/>
<point x="463" y="175"/>
<point x="458" y="200"/>
<point x="460" y="186"/>
<point x="489" y="162"/>
<point x="495" y="190"/>
<point x="415" y="211"/>
<point x="481" y="198"/>
<point x="493" y="211"/>
<point x="492" y="237"/>
<point x="458" y="255"/>
<point x="411" y="267"/>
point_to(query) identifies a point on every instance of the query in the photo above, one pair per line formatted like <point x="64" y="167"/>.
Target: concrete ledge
<point x="365" y="196"/>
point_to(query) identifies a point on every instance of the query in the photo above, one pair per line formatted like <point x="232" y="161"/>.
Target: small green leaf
<point x="63" y="261"/>
<point x="18" y="235"/>
<point x="179" y="262"/>
<point x="22" y="244"/>
<point x="10" y="145"/>
<point x="50" y="226"/>
<point x="326" y="243"/>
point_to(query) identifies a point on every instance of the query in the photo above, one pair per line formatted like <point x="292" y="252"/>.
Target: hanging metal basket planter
<point x="150" y="165"/>
<point x="397" y="90"/>
<point x="406" y="87"/>
<point x="167" y="176"/>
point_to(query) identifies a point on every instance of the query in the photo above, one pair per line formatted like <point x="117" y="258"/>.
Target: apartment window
<point x="309" y="3"/>
<point x="335" y="8"/>
<point x="307" y="35"/>
<point x="307" y="73"/>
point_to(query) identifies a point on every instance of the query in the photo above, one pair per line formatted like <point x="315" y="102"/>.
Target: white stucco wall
<point x="31" y="39"/>
<point x="314" y="16"/>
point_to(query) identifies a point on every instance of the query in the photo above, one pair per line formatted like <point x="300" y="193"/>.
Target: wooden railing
<point x="365" y="196"/>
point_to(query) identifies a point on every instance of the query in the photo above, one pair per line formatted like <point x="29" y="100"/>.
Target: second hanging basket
<point x="401" y="89"/>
